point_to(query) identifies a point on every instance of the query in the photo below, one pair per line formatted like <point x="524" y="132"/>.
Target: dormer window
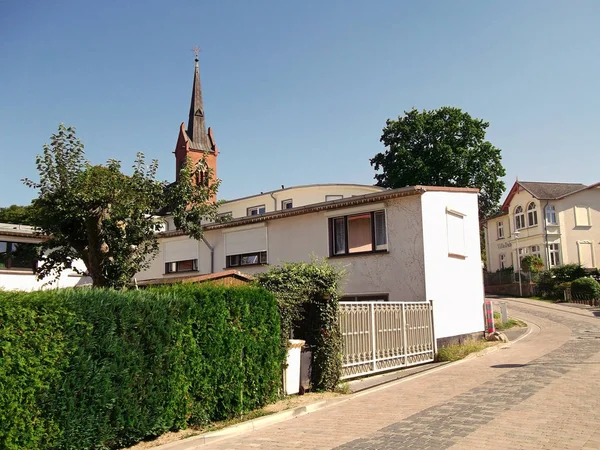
<point x="532" y="219"/>
<point x="519" y="218"/>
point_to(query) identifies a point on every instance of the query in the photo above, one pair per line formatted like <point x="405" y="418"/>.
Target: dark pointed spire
<point x="196" y="129"/>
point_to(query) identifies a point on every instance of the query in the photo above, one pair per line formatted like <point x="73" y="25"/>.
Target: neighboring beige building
<point x="559" y="222"/>
<point x="411" y="244"/>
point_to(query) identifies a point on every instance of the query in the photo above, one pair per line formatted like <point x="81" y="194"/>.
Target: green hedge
<point x="586" y="286"/>
<point x="103" y="369"/>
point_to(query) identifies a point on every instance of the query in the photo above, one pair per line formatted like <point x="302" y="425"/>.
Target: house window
<point x="554" y="255"/>
<point x="287" y="204"/>
<point x="455" y="231"/>
<point x="186" y="265"/>
<point x="256" y="210"/>
<point x="16" y="255"/>
<point x="329" y="198"/>
<point x="384" y="297"/>
<point x="246" y="259"/>
<point x="358" y="233"/>
<point x="519" y="218"/>
<point x="502" y="261"/>
<point x="582" y="216"/>
<point x="550" y="215"/>
<point x="500" y="230"/>
<point x="535" y="250"/>
<point x="532" y="219"/>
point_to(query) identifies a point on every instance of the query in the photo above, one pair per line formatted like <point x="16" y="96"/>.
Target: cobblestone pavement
<point x="542" y="392"/>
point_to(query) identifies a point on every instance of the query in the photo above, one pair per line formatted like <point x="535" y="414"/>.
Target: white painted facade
<point x="24" y="279"/>
<point x="563" y="231"/>
<point x="431" y="249"/>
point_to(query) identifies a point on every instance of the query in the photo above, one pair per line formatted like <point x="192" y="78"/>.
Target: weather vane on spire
<point x="196" y="51"/>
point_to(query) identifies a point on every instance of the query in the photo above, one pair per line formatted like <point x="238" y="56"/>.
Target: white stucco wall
<point x="455" y="284"/>
<point x="571" y="234"/>
<point x="26" y="281"/>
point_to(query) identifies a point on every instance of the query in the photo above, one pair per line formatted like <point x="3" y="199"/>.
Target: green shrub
<point x="568" y="273"/>
<point x="307" y="295"/>
<point x="532" y="263"/>
<point x="104" y="369"/>
<point x="586" y="286"/>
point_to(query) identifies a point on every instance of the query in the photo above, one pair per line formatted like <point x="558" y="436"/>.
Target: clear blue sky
<point x="298" y="92"/>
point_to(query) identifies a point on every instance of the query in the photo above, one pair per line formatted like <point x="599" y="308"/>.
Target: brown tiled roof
<point x="550" y="191"/>
<point x="197" y="278"/>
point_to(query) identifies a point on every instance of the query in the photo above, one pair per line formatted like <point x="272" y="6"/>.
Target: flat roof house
<point x="412" y="244"/>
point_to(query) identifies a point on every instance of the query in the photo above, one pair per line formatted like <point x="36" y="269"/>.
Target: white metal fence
<point x="380" y="336"/>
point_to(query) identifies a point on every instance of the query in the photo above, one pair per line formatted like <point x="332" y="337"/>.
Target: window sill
<point x="240" y="267"/>
<point x="456" y="256"/>
<point x="181" y="272"/>
<point x="346" y="255"/>
<point x="500" y="239"/>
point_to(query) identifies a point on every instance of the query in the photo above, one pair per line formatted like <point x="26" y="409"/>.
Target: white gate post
<point x="404" y="347"/>
<point x="373" y="336"/>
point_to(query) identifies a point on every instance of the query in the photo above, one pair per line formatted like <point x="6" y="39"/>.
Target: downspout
<point x="546" y="252"/>
<point x="274" y="201"/>
<point x="212" y="254"/>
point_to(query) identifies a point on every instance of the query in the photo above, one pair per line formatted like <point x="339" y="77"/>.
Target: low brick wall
<point x="511" y="289"/>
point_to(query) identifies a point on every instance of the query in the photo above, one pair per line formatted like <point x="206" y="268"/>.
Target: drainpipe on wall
<point x="274" y="201"/>
<point x="212" y="255"/>
<point x="546" y="253"/>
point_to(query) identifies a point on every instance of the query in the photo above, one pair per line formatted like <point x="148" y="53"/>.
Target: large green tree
<point x="97" y="214"/>
<point x="16" y="214"/>
<point x="441" y="147"/>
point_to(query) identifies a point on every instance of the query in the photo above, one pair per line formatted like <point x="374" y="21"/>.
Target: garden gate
<point x="378" y="336"/>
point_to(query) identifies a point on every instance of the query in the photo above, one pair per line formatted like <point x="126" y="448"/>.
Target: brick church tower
<point x="196" y="142"/>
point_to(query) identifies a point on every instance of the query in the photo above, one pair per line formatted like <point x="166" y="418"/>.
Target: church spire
<point x="196" y="129"/>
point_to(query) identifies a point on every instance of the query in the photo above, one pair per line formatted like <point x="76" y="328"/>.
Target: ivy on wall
<point x="308" y="299"/>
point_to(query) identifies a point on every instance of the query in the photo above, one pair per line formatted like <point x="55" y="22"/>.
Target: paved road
<point x="542" y="392"/>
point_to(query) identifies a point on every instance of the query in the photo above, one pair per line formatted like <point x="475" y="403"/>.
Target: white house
<point x="411" y="244"/>
<point x="18" y="261"/>
<point x="559" y="222"/>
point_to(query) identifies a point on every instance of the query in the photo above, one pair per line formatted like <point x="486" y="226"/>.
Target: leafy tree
<point x="105" y="218"/>
<point x="532" y="264"/>
<point x="442" y="147"/>
<point x="16" y="214"/>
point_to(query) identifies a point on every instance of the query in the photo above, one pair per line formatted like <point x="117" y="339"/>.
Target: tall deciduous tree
<point x="105" y="218"/>
<point x="442" y="147"/>
<point x="16" y="214"/>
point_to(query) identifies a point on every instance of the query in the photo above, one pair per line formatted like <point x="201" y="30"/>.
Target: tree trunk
<point x="97" y="247"/>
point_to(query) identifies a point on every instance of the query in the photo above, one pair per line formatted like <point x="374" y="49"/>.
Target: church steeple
<point x="196" y="129"/>
<point x="197" y="142"/>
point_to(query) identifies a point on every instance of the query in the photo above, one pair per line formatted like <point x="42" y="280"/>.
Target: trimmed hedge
<point x="586" y="286"/>
<point x="104" y="369"/>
